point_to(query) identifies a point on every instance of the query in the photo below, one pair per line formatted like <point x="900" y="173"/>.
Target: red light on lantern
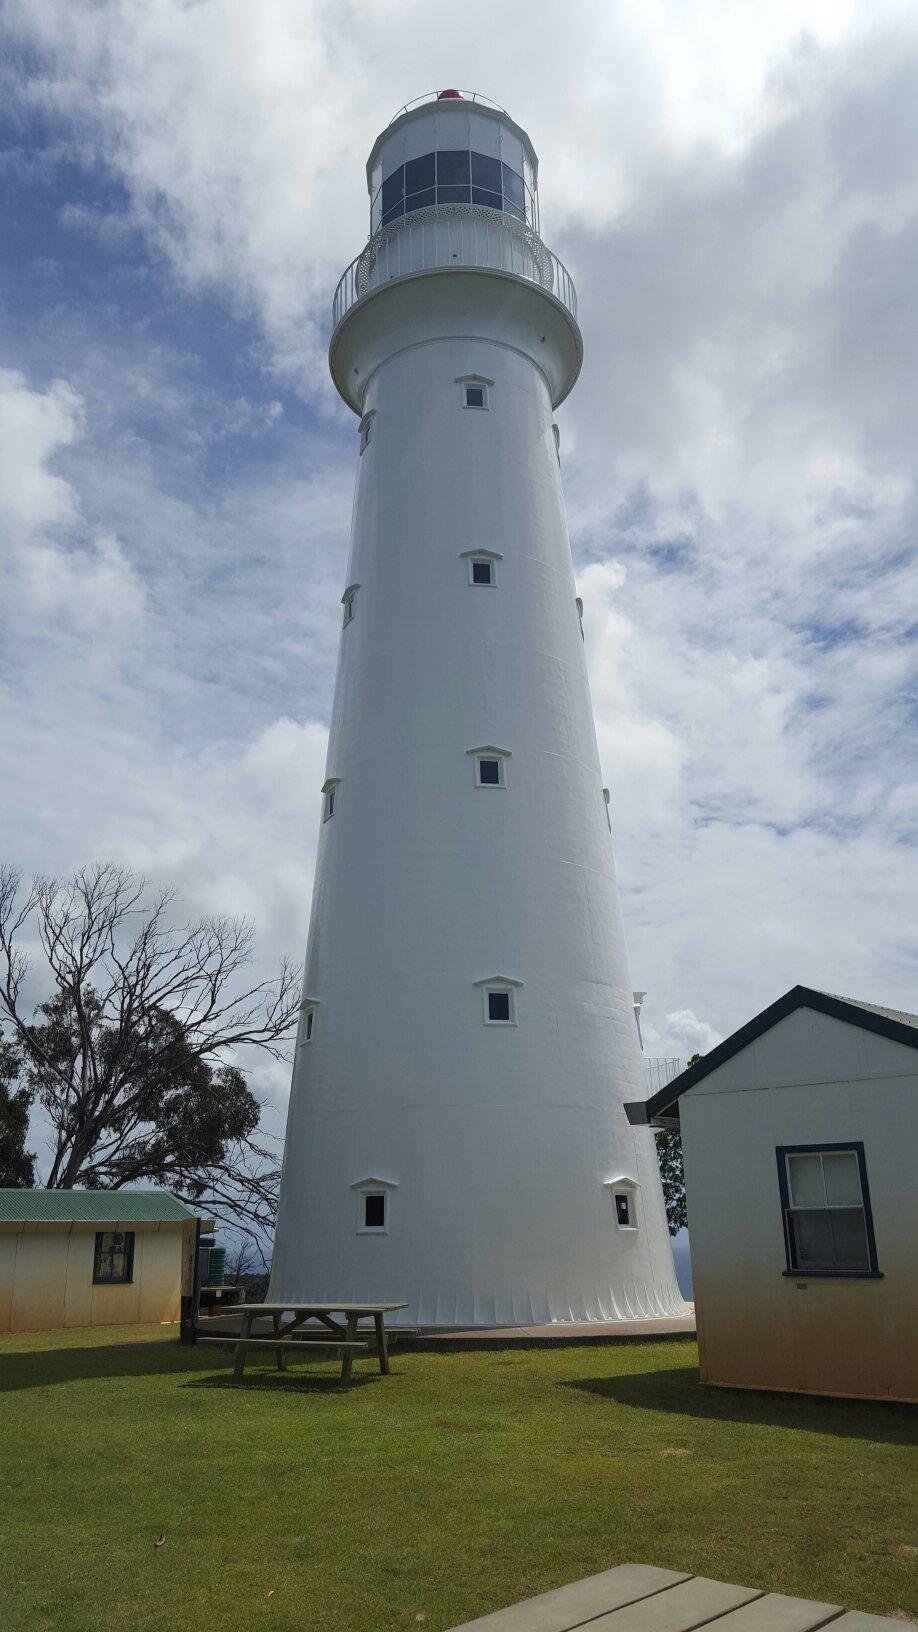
<point x="445" y="96"/>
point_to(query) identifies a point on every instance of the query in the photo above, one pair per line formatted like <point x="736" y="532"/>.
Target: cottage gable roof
<point x="91" y="1207"/>
<point x="895" y="1024"/>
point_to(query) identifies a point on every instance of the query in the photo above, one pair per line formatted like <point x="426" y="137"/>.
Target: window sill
<point x="627" y="1229"/>
<point x="832" y="1274"/>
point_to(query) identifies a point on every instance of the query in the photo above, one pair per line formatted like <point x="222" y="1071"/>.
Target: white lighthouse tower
<point x="456" y="1134"/>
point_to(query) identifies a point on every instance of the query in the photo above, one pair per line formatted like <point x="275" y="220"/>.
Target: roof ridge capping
<point x="898" y="1025"/>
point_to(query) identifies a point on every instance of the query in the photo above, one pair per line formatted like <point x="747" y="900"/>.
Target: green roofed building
<point x="93" y="1257"/>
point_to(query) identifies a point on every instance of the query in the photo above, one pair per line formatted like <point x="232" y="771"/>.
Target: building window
<point x="482" y="567"/>
<point x="579" y="605"/>
<point x="347" y="601"/>
<point x="490" y="766"/>
<point x="623" y="1208"/>
<point x="114" y="1260"/>
<point x="607" y="800"/>
<point x="330" y="797"/>
<point x="308" y="1023"/>
<point x="373" y="1197"/>
<point x="828" y="1226"/>
<point x="374" y="1210"/>
<point x="474" y="388"/>
<point x="366" y="430"/>
<point x="499" y="1000"/>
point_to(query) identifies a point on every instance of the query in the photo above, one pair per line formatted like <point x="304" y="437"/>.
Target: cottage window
<point x="114" y="1260"/>
<point x="828" y="1228"/>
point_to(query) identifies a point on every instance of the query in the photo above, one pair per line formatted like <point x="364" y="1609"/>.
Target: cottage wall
<point x="811" y="1079"/>
<point x="46" y="1277"/>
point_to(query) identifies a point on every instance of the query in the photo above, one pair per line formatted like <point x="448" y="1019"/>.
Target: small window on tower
<point x="347" y="601"/>
<point x="374" y="1210"/>
<point x="476" y="396"/>
<point x="307" y="1029"/>
<point x="482" y="567"/>
<point x="499" y="1000"/>
<point x="623" y="1209"/>
<point x="330" y="798"/>
<point x="499" y="1007"/>
<point x="490" y="766"/>
<point x="366" y="431"/>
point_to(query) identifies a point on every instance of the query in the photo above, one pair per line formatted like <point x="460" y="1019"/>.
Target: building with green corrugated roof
<point x="93" y="1258"/>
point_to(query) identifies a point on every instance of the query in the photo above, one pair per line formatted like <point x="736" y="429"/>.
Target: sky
<point x="733" y="188"/>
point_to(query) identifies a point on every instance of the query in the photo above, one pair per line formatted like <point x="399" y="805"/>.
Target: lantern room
<point x="454" y="148"/>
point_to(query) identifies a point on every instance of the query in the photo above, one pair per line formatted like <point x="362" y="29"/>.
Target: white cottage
<point x="800" y="1140"/>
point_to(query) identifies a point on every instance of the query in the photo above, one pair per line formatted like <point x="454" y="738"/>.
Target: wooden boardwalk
<point x="641" y="1598"/>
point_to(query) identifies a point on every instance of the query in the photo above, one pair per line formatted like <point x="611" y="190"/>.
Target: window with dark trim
<point x="308" y="1026"/>
<point x="825" y="1204"/>
<point x="623" y="1208"/>
<point x="500" y="1007"/>
<point x="476" y="396"/>
<point x="114" y="1259"/>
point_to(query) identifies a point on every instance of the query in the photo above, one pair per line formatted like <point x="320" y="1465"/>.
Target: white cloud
<point x="734" y="192"/>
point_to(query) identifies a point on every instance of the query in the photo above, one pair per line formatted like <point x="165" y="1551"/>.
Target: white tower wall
<point x="496" y="1145"/>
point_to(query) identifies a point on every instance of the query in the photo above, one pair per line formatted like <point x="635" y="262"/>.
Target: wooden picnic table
<point x="348" y="1338"/>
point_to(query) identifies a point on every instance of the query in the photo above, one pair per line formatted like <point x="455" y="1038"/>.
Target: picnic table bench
<point x="348" y="1339"/>
<point x="642" y="1598"/>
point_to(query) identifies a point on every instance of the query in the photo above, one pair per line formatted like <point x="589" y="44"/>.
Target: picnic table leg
<point x="381" y="1348"/>
<point x="241" y="1350"/>
<point x="278" y="1353"/>
<point x="348" y="1356"/>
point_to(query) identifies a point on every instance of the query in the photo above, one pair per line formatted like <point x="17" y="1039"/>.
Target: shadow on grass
<point x="268" y="1381"/>
<point x="46" y="1368"/>
<point x="679" y="1393"/>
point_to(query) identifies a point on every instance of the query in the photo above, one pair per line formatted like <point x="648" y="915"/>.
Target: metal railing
<point x="453" y="235"/>
<point x="435" y="96"/>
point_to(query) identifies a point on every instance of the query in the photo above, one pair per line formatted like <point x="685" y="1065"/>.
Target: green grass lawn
<point x="460" y="1483"/>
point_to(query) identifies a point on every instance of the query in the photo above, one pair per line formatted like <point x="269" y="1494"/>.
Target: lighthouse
<point x="456" y="1136"/>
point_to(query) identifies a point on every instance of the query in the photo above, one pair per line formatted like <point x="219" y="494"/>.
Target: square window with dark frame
<point x="482" y="572"/>
<point x="623" y="1209"/>
<point x="114" y="1257"/>
<point x="499" y="1006"/>
<point x="828" y="1228"/>
<point x="374" y="1210"/>
<point x="475" y="396"/>
<point x="489" y="773"/>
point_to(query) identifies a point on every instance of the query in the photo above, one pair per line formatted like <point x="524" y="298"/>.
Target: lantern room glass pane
<point x="453" y="195"/>
<point x="453" y="167"/>
<point x="514" y="192"/>
<point x="419" y="201"/>
<point x="419" y="173"/>
<point x="486" y="172"/>
<point x="492" y="201"/>
<point x="393" y="189"/>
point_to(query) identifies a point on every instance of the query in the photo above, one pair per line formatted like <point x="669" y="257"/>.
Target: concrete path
<point x="508" y="1337"/>
<point x="641" y="1598"/>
